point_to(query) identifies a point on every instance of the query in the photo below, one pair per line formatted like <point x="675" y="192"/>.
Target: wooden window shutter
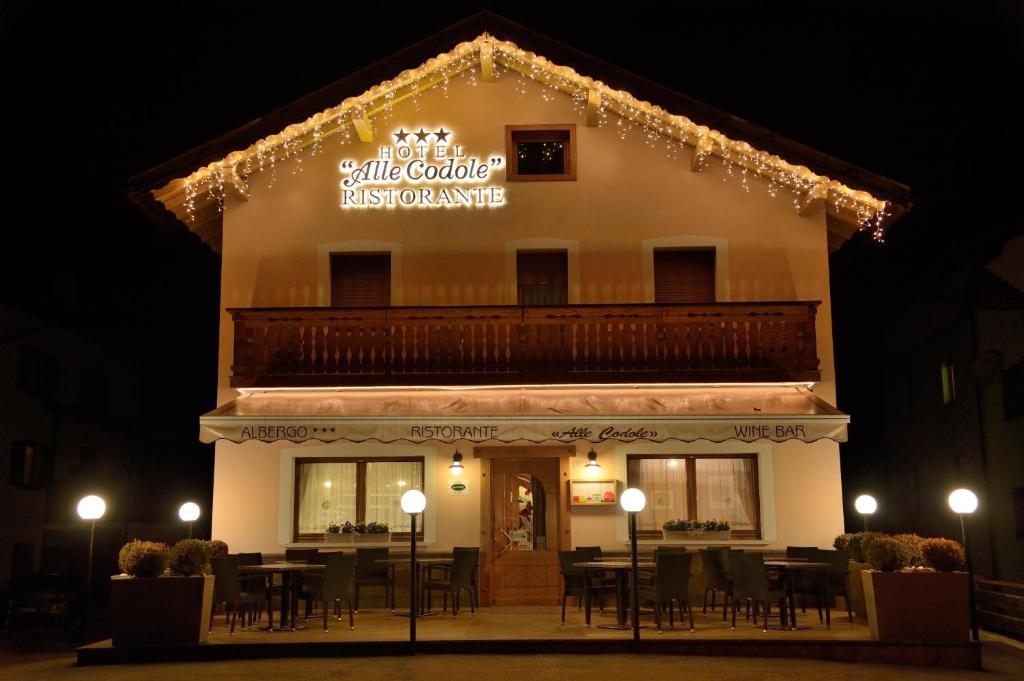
<point x="684" y="276"/>
<point x="542" y="277"/>
<point x="360" y="279"/>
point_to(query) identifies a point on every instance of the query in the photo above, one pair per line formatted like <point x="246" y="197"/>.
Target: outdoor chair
<point x="333" y="585"/>
<point x="601" y="579"/>
<point x="371" y="573"/>
<point x="249" y="582"/>
<point x="459" y="579"/>
<point x="671" y="583"/>
<point x="574" y="581"/>
<point x="715" y="579"/>
<point x="837" y="576"/>
<point x="751" y="581"/>
<point x="805" y="584"/>
<point x="229" y="590"/>
<point x="475" y="550"/>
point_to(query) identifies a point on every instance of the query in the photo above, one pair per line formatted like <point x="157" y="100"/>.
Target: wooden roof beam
<point x="811" y="199"/>
<point x="487" y="61"/>
<point x="593" y="108"/>
<point x="701" y="151"/>
<point x="363" y="128"/>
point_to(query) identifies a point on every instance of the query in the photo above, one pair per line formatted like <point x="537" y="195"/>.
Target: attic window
<point x="540" y="152"/>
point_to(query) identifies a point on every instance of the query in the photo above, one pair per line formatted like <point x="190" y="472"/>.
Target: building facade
<point x="494" y="261"/>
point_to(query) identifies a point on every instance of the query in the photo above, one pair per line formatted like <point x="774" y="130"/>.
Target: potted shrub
<point x="378" y="533"/>
<point x="219" y="548"/>
<point x="912" y="604"/>
<point x="149" y="607"/>
<point x="851" y="543"/>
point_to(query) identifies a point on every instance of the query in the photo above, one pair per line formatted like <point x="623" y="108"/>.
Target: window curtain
<point x="664" y="483"/>
<point x="386" y="481"/>
<point x="327" y="493"/>
<point x="725" y="491"/>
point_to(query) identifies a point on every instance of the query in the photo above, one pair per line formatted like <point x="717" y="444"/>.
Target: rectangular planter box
<point x="917" y="606"/>
<point x="855" y="588"/>
<point x="373" y="538"/>
<point x="160" y="611"/>
<point x="337" y="538"/>
<point x="695" y="535"/>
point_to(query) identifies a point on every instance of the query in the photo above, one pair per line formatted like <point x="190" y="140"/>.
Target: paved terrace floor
<point x="530" y="622"/>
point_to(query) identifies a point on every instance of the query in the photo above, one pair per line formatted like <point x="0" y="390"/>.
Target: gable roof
<point x="190" y="188"/>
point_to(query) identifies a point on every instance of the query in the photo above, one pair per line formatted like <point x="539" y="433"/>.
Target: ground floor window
<point x="364" y="490"/>
<point x="697" y="487"/>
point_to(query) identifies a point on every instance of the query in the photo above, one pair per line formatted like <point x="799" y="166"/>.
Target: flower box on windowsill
<point x="338" y="537"/>
<point x="695" y="535"/>
<point x="373" y="538"/>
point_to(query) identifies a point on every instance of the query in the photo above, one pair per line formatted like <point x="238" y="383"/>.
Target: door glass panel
<point x="525" y="517"/>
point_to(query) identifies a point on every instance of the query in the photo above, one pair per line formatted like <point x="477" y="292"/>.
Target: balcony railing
<point x="684" y="343"/>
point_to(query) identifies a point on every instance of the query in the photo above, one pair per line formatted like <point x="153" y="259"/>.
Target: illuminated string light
<point x="210" y="183"/>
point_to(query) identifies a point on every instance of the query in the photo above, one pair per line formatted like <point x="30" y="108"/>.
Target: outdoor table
<point x="421" y="564"/>
<point x="788" y="567"/>
<point x="620" y="566"/>
<point x="289" y="600"/>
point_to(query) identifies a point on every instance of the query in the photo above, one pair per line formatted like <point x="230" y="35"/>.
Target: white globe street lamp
<point x="90" y="508"/>
<point x="413" y="502"/>
<point x="865" y="505"/>
<point x="633" y="501"/>
<point x="189" y="513"/>
<point x="965" y="502"/>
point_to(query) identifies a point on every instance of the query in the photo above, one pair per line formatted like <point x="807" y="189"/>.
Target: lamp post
<point x="189" y="512"/>
<point x="90" y="508"/>
<point x="865" y="505"/>
<point x="632" y="502"/>
<point x="413" y="503"/>
<point x="964" y="502"/>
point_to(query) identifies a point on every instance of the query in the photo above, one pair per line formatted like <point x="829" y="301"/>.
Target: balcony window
<point x="542" y="277"/>
<point x="697" y="487"/>
<point x="31" y="465"/>
<point x="540" y="152"/>
<point x="685" y="275"/>
<point x="360" y="279"/>
<point x="337" y="490"/>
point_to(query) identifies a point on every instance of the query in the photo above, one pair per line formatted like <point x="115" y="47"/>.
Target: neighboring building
<point x="495" y="257"/>
<point x="954" y="408"/>
<point x="73" y="424"/>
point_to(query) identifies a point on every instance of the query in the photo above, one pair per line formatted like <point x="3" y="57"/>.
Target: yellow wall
<point x="627" y="192"/>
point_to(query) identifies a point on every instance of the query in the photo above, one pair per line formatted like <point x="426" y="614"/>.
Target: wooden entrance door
<point x="525" y="531"/>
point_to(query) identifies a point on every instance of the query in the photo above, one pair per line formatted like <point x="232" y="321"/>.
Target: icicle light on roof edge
<point x="657" y="125"/>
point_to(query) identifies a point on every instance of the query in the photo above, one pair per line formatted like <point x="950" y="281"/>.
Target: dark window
<point x="92" y="391"/>
<point x="540" y="152"/>
<point x="542" y="277"/>
<point x="948" y="374"/>
<point x="336" y="490"/>
<point x="697" y="487"/>
<point x="360" y="279"/>
<point x="30" y="465"/>
<point x="684" y="275"/>
<point x="37" y="372"/>
<point x="1013" y="391"/>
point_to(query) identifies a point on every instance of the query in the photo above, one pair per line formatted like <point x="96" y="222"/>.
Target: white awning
<point x="531" y="414"/>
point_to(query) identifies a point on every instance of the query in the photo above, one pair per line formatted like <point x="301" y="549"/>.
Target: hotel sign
<point x="535" y="430"/>
<point x="426" y="168"/>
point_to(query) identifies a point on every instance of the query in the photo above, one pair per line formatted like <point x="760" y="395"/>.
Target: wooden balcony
<point x="503" y="345"/>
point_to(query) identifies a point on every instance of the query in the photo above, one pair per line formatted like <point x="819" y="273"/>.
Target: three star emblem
<point x="421" y="137"/>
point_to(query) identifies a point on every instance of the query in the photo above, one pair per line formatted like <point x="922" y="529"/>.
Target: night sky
<point x="93" y="94"/>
